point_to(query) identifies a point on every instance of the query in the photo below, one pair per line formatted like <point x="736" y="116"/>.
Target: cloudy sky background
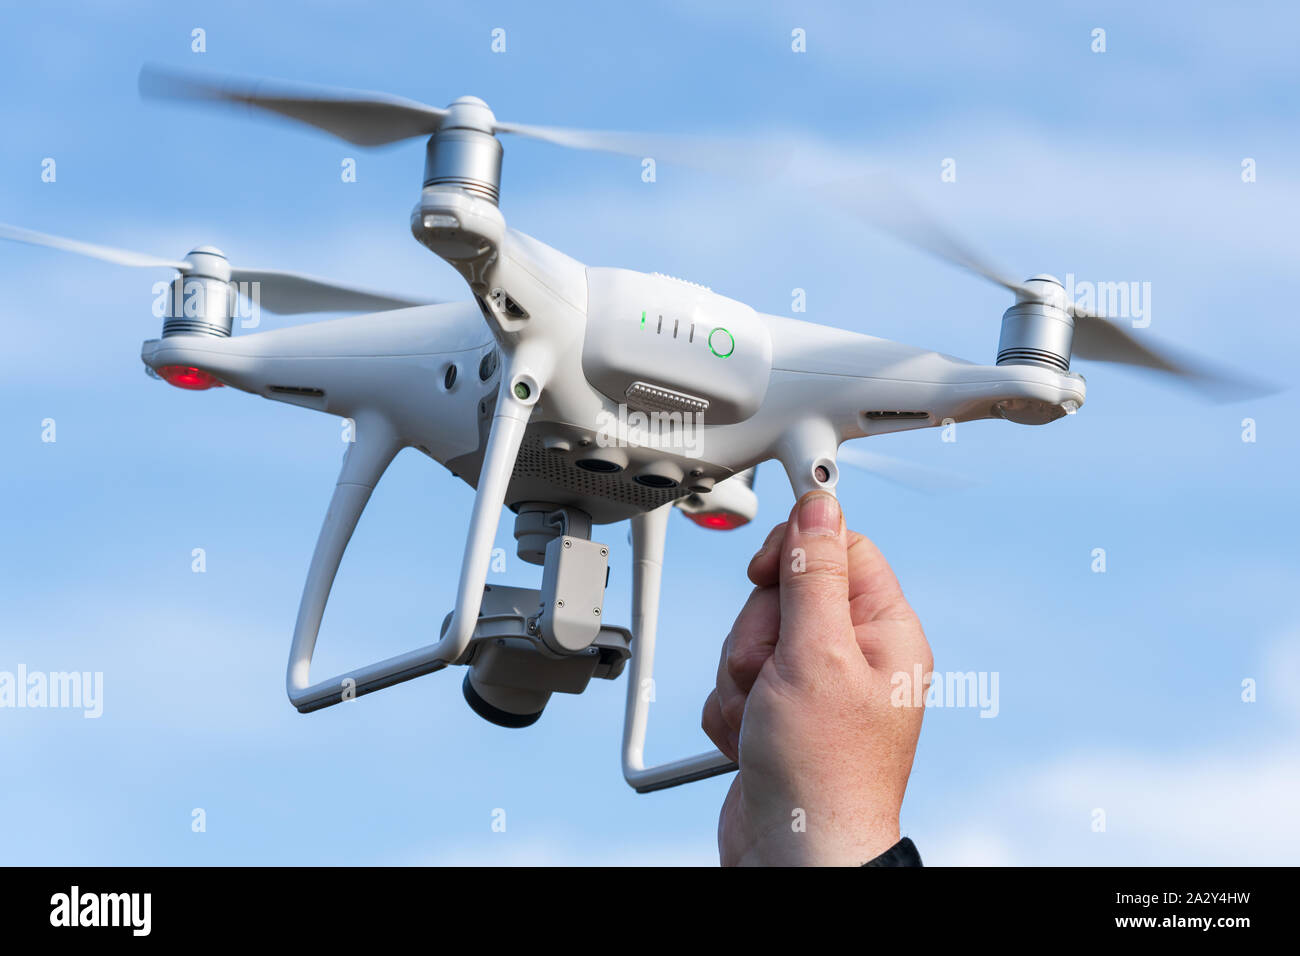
<point x="1120" y="691"/>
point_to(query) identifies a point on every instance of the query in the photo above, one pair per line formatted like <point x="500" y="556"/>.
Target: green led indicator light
<point x="643" y="318"/>
<point x="729" y="344"/>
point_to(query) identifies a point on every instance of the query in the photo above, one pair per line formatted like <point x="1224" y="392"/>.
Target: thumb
<point x="815" y="619"/>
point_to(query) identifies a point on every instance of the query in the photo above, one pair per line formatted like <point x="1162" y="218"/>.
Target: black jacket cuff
<point x="902" y="853"/>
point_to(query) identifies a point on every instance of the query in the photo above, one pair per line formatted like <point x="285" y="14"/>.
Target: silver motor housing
<point x="1038" y="330"/>
<point x="201" y="301"/>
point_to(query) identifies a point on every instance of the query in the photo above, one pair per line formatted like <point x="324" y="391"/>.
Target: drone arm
<point x="376" y="445"/>
<point x="648" y="533"/>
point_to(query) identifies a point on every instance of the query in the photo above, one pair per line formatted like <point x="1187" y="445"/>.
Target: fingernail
<point x="819" y="513"/>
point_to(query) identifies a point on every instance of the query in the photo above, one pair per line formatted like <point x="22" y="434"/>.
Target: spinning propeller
<point x="287" y="293"/>
<point x="1076" y="331"/>
<point x="365" y="118"/>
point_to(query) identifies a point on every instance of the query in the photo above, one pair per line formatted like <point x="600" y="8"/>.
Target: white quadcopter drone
<point x="573" y="395"/>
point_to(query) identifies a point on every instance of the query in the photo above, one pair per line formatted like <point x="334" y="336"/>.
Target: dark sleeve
<point x="902" y="853"/>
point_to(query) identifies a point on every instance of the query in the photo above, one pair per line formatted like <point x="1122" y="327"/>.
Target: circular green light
<point x="521" y="391"/>
<point x="730" y="339"/>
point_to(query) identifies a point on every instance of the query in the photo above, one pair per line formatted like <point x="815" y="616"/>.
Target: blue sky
<point x="1119" y="691"/>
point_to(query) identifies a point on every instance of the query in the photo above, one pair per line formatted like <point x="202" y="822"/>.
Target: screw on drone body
<point x="604" y="552"/>
<point x="568" y="543"/>
<point x="596" y="611"/>
<point x="559" y="603"/>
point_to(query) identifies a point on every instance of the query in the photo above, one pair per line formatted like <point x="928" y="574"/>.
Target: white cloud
<point x="1219" y="804"/>
<point x="1210" y="809"/>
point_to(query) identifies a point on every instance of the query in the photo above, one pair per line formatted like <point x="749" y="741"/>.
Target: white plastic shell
<point x="655" y="331"/>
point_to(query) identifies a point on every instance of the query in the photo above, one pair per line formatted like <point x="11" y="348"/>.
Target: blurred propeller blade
<point x="627" y="144"/>
<point x="884" y="204"/>
<point x="122" y="257"/>
<point x="358" y="116"/>
<point x="289" y="293"/>
<point x="908" y="474"/>
<point x="366" y="118"/>
<point x="714" y="154"/>
<point x="1096" y="337"/>
<point x="1102" y="340"/>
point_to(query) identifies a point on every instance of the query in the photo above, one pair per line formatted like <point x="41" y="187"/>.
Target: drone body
<point x="657" y="389"/>
<point x="575" y="396"/>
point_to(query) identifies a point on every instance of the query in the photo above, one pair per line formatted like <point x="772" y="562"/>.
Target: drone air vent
<point x="655" y="398"/>
<point x="536" y="463"/>
<point x="297" y="390"/>
<point x="894" y="416"/>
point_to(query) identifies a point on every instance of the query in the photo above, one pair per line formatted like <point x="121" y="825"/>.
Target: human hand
<point x="803" y="699"/>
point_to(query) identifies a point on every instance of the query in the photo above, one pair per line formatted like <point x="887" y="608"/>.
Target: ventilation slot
<point x="655" y="398"/>
<point x="887" y="416"/>
<point x="298" y="390"/>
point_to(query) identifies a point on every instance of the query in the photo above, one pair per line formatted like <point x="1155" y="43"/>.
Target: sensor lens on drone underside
<point x="599" y="466"/>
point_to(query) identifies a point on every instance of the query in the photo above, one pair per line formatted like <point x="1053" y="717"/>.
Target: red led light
<point x="718" y="520"/>
<point x="185" y="376"/>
